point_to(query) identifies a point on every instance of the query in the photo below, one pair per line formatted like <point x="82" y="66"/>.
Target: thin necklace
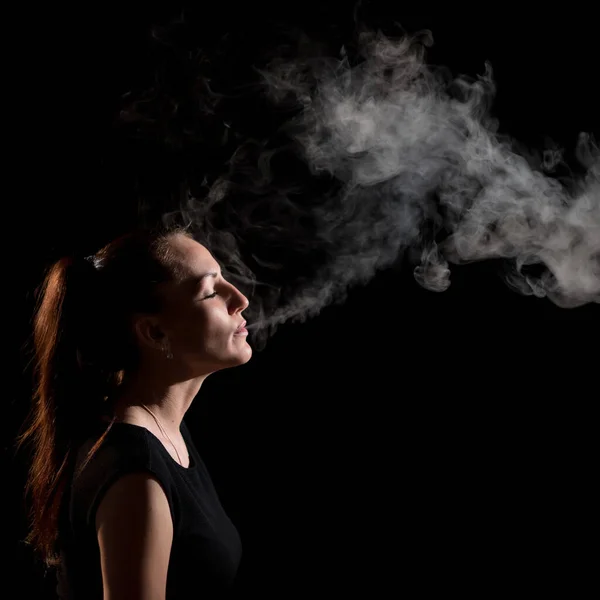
<point x="164" y="433"/>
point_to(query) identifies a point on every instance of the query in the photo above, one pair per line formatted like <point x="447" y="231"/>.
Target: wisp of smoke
<point x="410" y="147"/>
<point x="422" y="168"/>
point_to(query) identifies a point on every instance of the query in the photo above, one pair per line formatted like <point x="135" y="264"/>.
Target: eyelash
<point x="211" y="295"/>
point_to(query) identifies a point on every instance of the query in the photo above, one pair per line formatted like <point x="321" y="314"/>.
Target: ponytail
<point x="69" y="391"/>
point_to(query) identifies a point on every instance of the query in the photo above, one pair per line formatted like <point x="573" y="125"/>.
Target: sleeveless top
<point x="206" y="550"/>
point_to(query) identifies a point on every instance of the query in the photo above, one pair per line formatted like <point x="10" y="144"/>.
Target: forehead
<point x="193" y="259"/>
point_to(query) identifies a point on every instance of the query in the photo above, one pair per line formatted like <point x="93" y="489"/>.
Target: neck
<point x="169" y="400"/>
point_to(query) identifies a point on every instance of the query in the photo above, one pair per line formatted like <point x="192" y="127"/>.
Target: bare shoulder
<point x="135" y="534"/>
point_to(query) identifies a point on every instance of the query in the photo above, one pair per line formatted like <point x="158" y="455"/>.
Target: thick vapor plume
<point x="417" y="152"/>
<point x="422" y="172"/>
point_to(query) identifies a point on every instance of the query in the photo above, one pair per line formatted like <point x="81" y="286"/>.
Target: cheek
<point x="205" y="330"/>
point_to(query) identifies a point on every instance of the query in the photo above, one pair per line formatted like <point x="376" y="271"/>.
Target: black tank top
<point x="206" y="549"/>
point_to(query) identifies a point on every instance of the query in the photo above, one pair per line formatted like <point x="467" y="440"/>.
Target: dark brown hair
<point x="82" y="347"/>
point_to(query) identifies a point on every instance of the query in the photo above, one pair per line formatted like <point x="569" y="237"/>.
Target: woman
<point x="121" y="500"/>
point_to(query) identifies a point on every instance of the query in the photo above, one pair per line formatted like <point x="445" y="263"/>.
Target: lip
<point x="241" y="330"/>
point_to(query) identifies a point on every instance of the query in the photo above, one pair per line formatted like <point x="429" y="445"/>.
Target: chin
<point x="245" y="355"/>
<point x="240" y="357"/>
<point x="242" y="352"/>
<point x="220" y="363"/>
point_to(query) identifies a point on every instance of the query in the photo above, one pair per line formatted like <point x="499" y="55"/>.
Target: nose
<point x="237" y="301"/>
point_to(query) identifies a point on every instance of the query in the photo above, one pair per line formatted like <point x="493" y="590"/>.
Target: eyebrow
<point x="205" y="275"/>
<point x="198" y="280"/>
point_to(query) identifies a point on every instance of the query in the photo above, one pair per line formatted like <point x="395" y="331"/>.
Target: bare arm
<point x="135" y="534"/>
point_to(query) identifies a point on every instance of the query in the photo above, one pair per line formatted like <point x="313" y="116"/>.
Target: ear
<point x="148" y="332"/>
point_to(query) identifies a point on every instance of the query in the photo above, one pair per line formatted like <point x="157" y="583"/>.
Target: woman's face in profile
<point x="202" y="312"/>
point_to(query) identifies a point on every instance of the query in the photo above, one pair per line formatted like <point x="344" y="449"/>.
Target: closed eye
<point x="211" y="296"/>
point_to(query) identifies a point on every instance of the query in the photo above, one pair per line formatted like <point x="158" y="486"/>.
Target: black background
<point x="405" y="441"/>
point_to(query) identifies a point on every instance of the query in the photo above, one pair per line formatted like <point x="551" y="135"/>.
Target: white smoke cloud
<point x="412" y="146"/>
<point x="420" y="167"/>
